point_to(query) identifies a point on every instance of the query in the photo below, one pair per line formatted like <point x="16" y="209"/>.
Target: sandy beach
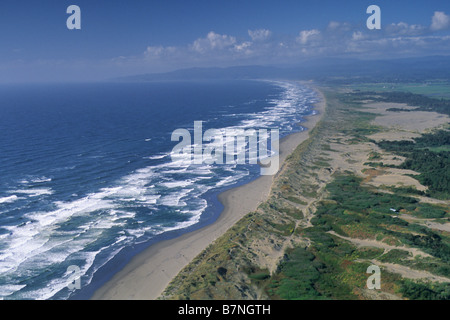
<point x="147" y="275"/>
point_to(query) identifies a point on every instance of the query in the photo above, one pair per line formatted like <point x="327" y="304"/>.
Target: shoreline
<point x="147" y="275"/>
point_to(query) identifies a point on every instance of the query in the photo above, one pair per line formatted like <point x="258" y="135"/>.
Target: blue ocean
<point x="87" y="180"/>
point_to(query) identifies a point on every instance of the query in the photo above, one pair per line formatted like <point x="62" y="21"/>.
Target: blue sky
<point x="129" y="37"/>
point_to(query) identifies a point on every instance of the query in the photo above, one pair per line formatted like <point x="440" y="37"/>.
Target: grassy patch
<point x="296" y="200"/>
<point x="259" y="275"/>
<point x="429" y="211"/>
<point x="432" y="165"/>
<point x="395" y="256"/>
<point x="361" y="212"/>
<point x="367" y="253"/>
<point x="299" y="273"/>
<point x="424" y="291"/>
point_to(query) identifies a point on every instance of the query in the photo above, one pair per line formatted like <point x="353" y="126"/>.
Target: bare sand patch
<point x="378" y="295"/>
<point x="438" y="226"/>
<point x="397" y="178"/>
<point x="394" y="136"/>
<point x="414" y="121"/>
<point x="409" y="273"/>
<point x="401" y="126"/>
<point x="378" y="244"/>
<point x="430" y="223"/>
<point x="390" y="159"/>
<point x="350" y="157"/>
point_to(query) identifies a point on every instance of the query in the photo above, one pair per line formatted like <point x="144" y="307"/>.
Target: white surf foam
<point x="8" y="289"/>
<point x="156" y="157"/>
<point x="177" y="184"/>
<point x="9" y="199"/>
<point x="34" y="192"/>
<point x="38" y="243"/>
<point x="35" y="180"/>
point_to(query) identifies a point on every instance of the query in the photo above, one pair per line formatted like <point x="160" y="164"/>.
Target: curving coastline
<point x="148" y="274"/>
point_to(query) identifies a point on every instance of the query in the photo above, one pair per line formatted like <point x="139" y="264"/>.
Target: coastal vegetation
<point x="439" y="88"/>
<point x="328" y="219"/>
<point x="429" y="155"/>
<point x="421" y="102"/>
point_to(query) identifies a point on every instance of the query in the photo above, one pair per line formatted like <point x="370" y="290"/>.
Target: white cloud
<point x="440" y="21"/>
<point x="339" y="26"/>
<point x="156" y="51"/>
<point x="357" y="35"/>
<point x="213" y="41"/>
<point x="333" y="25"/>
<point x="399" y="46"/>
<point x="244" y="47"/>
<point x="335" y="39"/>
<point x="307" y="35"/>
<point x="260" y="34"/>
<point x="403" y="28"/>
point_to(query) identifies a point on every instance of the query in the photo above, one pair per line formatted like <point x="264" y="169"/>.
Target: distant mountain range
<point x="406" y="69"/>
